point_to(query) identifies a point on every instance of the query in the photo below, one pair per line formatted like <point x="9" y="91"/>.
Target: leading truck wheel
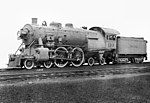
<point x="28" y="64"/>
<point x="91" y="61"/>
<point x="48" y="64"/>
<point x="61" y="54"/>
<point x="78" y="55"/>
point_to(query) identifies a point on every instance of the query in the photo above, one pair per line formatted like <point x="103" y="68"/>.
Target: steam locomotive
<point x="46" y="46"/>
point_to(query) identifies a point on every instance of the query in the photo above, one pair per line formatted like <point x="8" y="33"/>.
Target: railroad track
<point x="84" y="71"/>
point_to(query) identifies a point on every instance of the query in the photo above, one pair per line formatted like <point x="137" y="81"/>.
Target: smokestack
<point x="34" y="21"/>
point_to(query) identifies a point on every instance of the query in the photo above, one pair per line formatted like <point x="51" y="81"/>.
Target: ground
<point x="127" y="88"/>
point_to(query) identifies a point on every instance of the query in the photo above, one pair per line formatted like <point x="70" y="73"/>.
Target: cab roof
<point x="104" y="31"/>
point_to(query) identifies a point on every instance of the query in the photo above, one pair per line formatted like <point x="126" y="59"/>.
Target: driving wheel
<point x="78" y="56"/>
<point x="61" y="55"/>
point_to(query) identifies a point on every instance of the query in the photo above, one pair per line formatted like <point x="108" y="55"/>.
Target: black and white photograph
<point x="75" y="51"/>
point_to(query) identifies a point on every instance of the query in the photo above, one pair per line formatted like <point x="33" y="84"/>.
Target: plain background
<point x="130" y="17"/>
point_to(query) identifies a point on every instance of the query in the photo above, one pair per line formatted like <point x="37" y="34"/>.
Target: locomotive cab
<point x="110" y="41"/>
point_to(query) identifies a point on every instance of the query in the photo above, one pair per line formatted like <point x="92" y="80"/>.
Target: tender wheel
<point x="141" y="61"/>
<point x="132" y="60"/>
<point x="78" y="55"/>
<point x="61" y="54"/>
<point x="48" y="64"/>
<point x="28" y="64"/>
<point x="91" y="61"/>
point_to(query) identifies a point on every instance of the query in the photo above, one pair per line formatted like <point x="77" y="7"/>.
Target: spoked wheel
<point x="102" y="61"/>
<point x="78" y="55"/>
<point x="61" y="54"/>
<point x="91" y="61"/>
<point x="28" y="64"/>
<point x="48" y="64"/>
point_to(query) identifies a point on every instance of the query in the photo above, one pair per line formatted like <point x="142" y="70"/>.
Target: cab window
<point x="111" y="37"/>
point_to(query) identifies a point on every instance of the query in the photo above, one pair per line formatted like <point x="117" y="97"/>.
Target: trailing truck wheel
<point x="61" y="53"/>
<point x="102" y="61"/>
<point x="48" y="64"/>
<point x="107" y="61"/>
<point x="78" y="55"/>
<point x="91" y="61"/>
<point x="28" y="64"/>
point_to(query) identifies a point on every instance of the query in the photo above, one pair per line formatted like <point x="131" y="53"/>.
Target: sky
<point x="130" y="17"/>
